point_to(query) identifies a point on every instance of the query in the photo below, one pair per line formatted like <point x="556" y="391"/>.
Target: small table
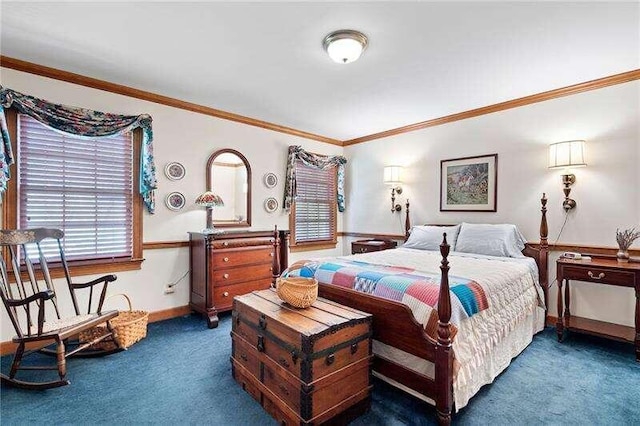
<point x="367" y="246"/>
<point x="598" y="270"/>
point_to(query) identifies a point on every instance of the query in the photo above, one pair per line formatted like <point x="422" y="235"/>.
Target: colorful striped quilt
<point x="419" y="290"/>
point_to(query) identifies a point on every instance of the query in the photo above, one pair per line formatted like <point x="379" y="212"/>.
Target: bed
<point x="445" y="352"/>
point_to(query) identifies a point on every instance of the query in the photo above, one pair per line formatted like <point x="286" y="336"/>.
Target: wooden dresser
<point x="304" y="366"/>
<point x="228" y="264"/>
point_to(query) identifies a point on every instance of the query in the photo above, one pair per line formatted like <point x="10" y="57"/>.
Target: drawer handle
<point x="260" y="345"/>
<point x="225" y="294"/>
<point x="354" y="348"/>
<point x="226" y="243"/>
<point x="244" y="357"/>
<point x="599" y="277"/>
<point x="363" y="250"/>
<point x="262" y="322"/>
<point x="294" y="357"/>
<point x="271" y="269"/>
<point x="225" y="276"/>
<point x="283" y="362"/>
<point x="330" y="359"/>
<point x="226" y="259"/>
<point x="283" y="389"/>
<point x="271" y="254"/>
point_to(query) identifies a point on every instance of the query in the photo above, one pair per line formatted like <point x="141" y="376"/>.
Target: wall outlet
<point x="169" y="289"/>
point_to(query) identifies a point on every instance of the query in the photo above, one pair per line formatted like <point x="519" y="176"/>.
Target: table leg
<point x="559" y="324"/>
<point x="637" y="322"/>
<point x="567" y="301"/>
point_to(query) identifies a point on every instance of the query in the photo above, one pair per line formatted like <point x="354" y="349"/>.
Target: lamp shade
<point x="393" y="175"/>
<point x="209" y="199"/>
<point x="566" y="154"/>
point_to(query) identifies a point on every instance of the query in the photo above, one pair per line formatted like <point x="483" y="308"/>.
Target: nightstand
<point x="367" y="246"/>
<point x="604" y="271"/>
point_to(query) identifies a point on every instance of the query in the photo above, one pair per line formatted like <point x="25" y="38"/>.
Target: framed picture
<point x="175" y="201"/>
<point x="469" y="184"/>
<point x="270" y="180"/>
<point x="174" y="171"/>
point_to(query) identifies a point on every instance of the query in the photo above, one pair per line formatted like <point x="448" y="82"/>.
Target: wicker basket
<point x="297" y="291"/>
<point x="129" y="327"/>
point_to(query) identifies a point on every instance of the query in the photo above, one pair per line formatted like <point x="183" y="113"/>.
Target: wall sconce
<point x="566" y="155"/>
<point x="393" y="177"/>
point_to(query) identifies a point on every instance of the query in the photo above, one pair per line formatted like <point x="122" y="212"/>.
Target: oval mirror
<point x="229" y="176"/>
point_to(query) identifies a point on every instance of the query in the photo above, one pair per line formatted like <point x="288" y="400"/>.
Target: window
<point x="84" y="186"/>
<point x="313" y="215"/>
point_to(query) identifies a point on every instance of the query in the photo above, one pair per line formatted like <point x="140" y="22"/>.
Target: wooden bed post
<point x="444" y="353"/>
<point x="407" y="222"/>
<point x="275" y="265"/>
<point x="544" y="250"/>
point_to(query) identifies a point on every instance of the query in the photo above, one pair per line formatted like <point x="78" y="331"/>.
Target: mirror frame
<point x="231" y="223"/>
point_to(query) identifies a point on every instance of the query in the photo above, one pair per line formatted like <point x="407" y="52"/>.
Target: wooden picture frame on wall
<point x="469" y="184"/>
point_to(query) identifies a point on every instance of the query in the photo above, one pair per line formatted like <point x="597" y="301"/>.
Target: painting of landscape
<point x="469" y="184"/>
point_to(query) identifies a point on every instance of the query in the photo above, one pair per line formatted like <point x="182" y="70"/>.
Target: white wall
<point x="607" y="191"/>
<point x="190" y="139"/>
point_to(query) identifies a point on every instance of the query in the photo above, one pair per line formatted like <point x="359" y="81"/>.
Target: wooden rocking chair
<point x="23" y="294"/>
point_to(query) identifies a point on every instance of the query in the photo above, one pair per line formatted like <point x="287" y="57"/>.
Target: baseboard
<point x="9" y="347"/>
<point x="166" y="314"/>
<point x="551" y="321"/>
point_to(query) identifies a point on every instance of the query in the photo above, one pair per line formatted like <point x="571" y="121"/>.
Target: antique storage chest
<point x="304" y="366"/>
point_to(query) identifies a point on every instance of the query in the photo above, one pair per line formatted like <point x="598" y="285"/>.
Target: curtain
<point x="322" y="162"/>
<point x="82" y="122"/>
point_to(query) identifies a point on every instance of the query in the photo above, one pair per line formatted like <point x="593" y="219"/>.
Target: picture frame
<point x="174" y="171"/>
<point x="270" y="180"/>
<point x="469" y="184"/>
<point x="175" y="201"/>
<point x="271" y="205"/>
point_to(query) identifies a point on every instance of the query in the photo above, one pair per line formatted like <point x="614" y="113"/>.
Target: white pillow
<point x="429" y="237"/>
<point x="492" y="240"/>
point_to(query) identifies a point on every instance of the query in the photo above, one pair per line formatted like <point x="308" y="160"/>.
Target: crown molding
<point x="599" y="83"/>
<point x="95" y="83"/>
<point x="69" y="77"/>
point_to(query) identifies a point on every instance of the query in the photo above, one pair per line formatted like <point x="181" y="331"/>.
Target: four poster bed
<point x="444" y="360"/>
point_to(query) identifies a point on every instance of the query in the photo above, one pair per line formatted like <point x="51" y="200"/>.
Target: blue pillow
<point x="502" y="240"/>
<point x="429" y="237"/>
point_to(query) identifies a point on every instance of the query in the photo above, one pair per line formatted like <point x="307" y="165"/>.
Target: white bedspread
<point x="487" y="341"/>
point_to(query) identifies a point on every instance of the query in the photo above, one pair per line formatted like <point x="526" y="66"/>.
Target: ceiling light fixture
<point x="344" y="46"/>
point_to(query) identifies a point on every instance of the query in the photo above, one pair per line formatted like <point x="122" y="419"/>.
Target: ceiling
<point x="265" y="60"/>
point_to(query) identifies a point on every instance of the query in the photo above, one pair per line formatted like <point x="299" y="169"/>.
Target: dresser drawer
<point x="224" y="295"/>
<point x="596" y="274"/>
<point x="226" y="259"/>
<point x="236" y="275"/>
<point x="244" y="242"/>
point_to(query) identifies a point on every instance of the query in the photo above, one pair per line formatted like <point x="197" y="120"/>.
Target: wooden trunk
<point x="304" y="366"/>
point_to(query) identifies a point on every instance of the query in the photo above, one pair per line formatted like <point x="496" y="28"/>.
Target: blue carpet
<point x="181" y="374"/>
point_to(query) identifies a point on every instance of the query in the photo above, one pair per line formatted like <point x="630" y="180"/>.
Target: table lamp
<point x="210" y="200"/>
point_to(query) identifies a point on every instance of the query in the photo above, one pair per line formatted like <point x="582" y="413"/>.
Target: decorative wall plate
<point x="174" y="170"/>
<point x="271" y="204"/>
<point x="175" y="201"/>
<point x="270" y="180"/>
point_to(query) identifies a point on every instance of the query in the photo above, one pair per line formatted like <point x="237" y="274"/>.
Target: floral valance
<point x="82" y="122"/>
<point x="322" y="162"/>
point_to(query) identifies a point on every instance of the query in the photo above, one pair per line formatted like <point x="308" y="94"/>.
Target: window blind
<point x="83" y="186"/>
<point x="315" y="204"/>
